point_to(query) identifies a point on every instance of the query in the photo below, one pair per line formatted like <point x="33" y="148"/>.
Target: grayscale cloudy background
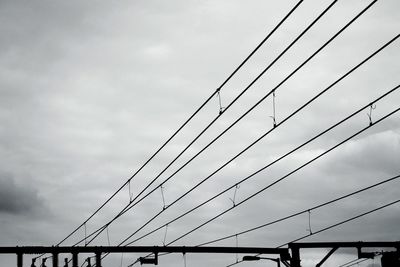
<point x="90" y="89"/>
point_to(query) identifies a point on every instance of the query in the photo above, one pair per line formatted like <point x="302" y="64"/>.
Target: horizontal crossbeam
<point x="139" y="249"/>
<point x="359" y="244"/>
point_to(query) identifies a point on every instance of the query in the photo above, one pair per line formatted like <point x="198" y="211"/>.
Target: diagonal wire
<point x="271" y="163"/>
<point x="189" y="119"/>
<point x="283" y="121"/>
<point x="98" y="231"/>
<point x="285" y="176"/>
<point x="130" y="206"/>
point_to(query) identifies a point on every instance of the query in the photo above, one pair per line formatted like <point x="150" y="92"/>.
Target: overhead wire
<point x="188" y="120"/>
<point x="235" y="235"/>
<point x="284" y="177"/>
<point x="268" y="165"/>
<point x="241" y="117"/>
<point x="98" y="231"/>
<point x="333" y="37"/>
<point x="314" y="159"/>
<point x="130" y="206"/>
<point x="395" y="38"/>
<point x="272" y="91"/>
<point x="283" y="121"/>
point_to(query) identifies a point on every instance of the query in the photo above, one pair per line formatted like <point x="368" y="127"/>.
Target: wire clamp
<point x="130" y="192"/>
<point x="371" y="108"/>
<point x="165" y="234"/>
<point x="221" y="108"/>
<point x="273" y="117"/>
<point x="237" y="186"/>
<point x="162" y="196"/>
<point x="309" y="222"/>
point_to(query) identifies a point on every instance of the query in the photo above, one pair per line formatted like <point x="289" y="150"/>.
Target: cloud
<point x="89" y="90"/>
<point x="17" y="199"/>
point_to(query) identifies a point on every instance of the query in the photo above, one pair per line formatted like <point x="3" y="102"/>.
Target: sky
<point x="89" y="90"/>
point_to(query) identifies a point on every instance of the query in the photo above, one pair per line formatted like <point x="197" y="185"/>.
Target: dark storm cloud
<point x="16" y="198"/>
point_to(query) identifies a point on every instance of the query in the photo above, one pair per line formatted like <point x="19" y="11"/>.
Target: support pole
<point x="75" y="259"/>
<point x="98" y="259"/>
<point x="55" y="259"/>
<point x="20" y="260"/>
<point x="295" y="262"/>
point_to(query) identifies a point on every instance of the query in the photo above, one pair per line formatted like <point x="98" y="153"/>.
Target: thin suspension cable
<point x="301" y="212"/>
<point x="283" y="121"/>
<point x="129" y="206"/>
<point x="271" y="163"/>
<point x="187" y="121"/>
<point x="334" y="225"/>
<point x="284" y="177"/>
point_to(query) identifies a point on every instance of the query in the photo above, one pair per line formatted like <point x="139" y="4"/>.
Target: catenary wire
<point x="283" y="121"/>
<point x="130" y="205"/>
<point x="276" y="87"/>
<point x="270" y="164"/>
<point x="189" y="119"/>
<point x="302" y="212"/>
<point x="285" y="176"/>
<point x="355" y="18"/>
<point x="98" y="231"/>
<point x="273" y="90"/>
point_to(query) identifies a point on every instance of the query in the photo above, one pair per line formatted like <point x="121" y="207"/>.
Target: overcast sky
<point x="89" y="90"/>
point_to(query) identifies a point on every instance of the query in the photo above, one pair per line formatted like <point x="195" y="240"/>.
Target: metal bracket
<point x="144" y="260"/>
<point x="365" y="255"/>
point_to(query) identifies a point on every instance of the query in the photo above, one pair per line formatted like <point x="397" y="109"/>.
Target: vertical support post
<point x="55" y="259"/>
<point x="295" y="261"/>
<point x="20" y="259"/>
<point x="98" y="259"/>
<point x="75" y="259"/>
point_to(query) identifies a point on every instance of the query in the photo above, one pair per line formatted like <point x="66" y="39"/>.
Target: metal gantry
<point x="99" y="250"/>
<point x="291" y="259"/>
